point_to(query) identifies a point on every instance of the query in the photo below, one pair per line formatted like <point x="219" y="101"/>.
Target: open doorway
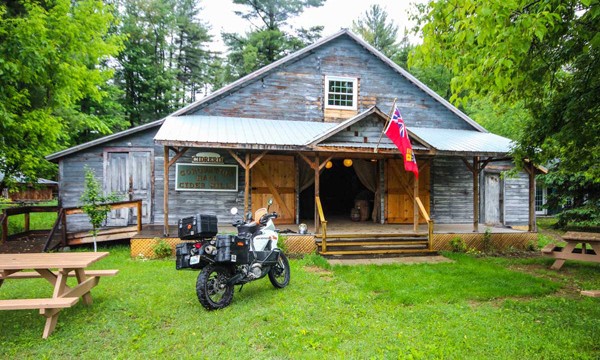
<point x="341" y="191"/>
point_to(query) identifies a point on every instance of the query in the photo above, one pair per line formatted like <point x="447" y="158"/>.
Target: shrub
<point x="162" y="249"/>
<point x="458" y="244"/>
<point x="487" y="240"/>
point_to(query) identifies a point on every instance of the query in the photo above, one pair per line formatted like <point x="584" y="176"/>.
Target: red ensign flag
<point x="396" y="131"/>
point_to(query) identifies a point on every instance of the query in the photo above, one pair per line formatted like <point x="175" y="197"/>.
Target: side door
<point x="492" y="186"/>
<point x="399" y="204"/>
<point x="129" y="174"/>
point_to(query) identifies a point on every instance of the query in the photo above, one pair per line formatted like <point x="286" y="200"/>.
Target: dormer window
<point x="340" y="92"/>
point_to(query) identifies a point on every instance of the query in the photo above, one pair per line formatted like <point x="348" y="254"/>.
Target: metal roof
<point x="461" y="141"/>
<point x="224" y="131"/>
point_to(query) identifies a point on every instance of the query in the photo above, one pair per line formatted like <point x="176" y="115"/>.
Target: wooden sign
<point x="201" y="177"/>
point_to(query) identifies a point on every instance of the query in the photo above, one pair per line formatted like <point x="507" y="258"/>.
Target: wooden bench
<point x="27" y="304"/>
<point x="35" y="275"/>
<point x="570" y="250"/>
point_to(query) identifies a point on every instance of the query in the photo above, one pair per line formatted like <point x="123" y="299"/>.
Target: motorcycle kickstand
<point x="241" y="287"/>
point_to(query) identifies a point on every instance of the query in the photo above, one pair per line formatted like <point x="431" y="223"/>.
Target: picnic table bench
<point x="14" y="266"/>
<point x="571" y="252"/>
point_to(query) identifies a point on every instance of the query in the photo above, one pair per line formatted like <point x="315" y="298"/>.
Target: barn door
<point x="129" y="174"/>
<point x="492" y="199"/>
<point x="399" y="182"/>
<point x="274" y="176"/>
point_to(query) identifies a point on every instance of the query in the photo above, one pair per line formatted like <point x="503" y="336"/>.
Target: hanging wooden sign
<point x="202" y="177"/>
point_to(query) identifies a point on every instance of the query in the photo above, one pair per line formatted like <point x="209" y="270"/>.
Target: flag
<point x="397" y="132"/>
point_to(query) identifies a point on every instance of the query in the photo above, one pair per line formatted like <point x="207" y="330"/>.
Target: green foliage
<point x="374" y="28"/>
<point x="164" y="64"/>
<point x="577" y="195"/>
<point x="50" y="55"/>
<point x="162" y="249"/>
<point x="270" y="41"/>
<point x="281" y="243"/>
<point x="458" y="244"/>
<point x="541" y="54"/>
<point x="457" y="310"/>
<point x="487" y="240"/>
<point x="95" y="202"/>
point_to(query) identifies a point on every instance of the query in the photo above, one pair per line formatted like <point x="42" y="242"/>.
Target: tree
<point x="544" y="53"/>
<point x="375" y="29"/>
<point x="164" y="63"/>
<point x="50" y="56"/>
<point x="272" y="38"/>
<point x="95" y="203"/>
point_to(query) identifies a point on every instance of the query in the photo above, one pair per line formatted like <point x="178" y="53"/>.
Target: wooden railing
<point x="323" y="224"/>
<point x="61" y="220"/>
<point x="429" y="223"/>
<point x="26" y="211"/>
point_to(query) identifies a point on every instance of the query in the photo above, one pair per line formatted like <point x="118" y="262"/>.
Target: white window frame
<point x="544" y="190"/>
<point x="354" y="92"/>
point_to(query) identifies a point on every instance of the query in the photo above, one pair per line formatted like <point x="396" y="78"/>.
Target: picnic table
<point x="571" y="252"/>
<point x="15" y="266"/>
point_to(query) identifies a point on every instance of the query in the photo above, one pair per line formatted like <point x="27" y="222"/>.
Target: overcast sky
<point x="334" y="15"/>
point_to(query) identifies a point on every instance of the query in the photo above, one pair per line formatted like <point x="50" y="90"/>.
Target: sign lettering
<point x="201" y="177"/>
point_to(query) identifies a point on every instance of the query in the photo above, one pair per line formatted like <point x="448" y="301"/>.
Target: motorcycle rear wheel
<point x="212" y="289"/>
<point x="280" y="272"/>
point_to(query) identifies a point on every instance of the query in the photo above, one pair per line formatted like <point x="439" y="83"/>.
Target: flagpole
<point x="385" y="126"/>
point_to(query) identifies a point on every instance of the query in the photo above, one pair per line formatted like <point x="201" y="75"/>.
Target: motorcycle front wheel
<point x="280" y="272"/>
<point x="212" y="289"/>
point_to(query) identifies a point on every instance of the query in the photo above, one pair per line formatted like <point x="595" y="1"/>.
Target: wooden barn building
<point x="304" y="129"/>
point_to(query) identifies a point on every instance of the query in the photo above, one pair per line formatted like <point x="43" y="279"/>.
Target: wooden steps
<point x="374" y="245"/>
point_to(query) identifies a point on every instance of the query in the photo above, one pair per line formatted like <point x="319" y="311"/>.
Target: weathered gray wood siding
<point x="72" y="171"/>
<point x="365" y="131"/>
<point x="451" y="191"/>
<point x="516" y="199"/>
<point x="296" y="90"/>
<point x="186" y="203"/>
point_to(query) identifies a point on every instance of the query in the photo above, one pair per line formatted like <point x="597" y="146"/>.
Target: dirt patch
<point x="26" y="244"/>
<point x="324" y="274"/>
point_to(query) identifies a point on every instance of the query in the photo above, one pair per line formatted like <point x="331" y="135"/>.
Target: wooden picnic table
<point x="570" y="250"/>
<point x="15" y="266"/>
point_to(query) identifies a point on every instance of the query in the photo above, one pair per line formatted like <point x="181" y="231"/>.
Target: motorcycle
<point x="226" y="260"/>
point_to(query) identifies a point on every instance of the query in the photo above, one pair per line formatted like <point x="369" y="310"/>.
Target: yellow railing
<point x="429" y="222"/>
<point x="324" y="224"/>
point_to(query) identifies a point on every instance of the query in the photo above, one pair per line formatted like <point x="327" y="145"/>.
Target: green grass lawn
<point x="37" y="221"/>
<point x="473" y="308"/>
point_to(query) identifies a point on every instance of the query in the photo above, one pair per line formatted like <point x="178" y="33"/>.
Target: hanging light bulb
<point x="347" y="162"/>
<point x="328" y="165"/>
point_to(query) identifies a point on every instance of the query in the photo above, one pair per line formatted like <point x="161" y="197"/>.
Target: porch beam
<point x="415" y="205"/>
<point x="178" y="153"/>
<point x="531" y="172"/>
<point x="476" y="171"/>
<point x="325" y="162"/>
<point x="317" y="190"/>
<point x="307" y="160"/>
<point x="166" y="192"/>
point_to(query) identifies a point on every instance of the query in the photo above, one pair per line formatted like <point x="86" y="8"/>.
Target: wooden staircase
<point x="374" y="245"/>
<point x="348" y="246"/>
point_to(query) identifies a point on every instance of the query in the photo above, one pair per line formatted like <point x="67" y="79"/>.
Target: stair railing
<point x="324" y="224"/>
<point x="429" y="223"/>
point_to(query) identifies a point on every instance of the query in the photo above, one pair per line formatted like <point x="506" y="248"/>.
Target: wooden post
<point x="317" y="180"/>
<point x="166" y="192"/>
<point x="531" y="172"/>
<point x="415" y="205"/>
<point x="476" y="194"/>
<point x="4" y="227"/>
<point x="139" y="215"/>
<point x="27" y="221"/>
<point x="246" y="183"/>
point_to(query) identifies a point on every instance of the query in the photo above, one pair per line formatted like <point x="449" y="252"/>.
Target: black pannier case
<point x="182" y="252"/>
<point x="240" y="248"/>
<point x="197" y="227"/>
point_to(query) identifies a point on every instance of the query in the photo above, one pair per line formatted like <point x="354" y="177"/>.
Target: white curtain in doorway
<point x="366" y="171"/>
